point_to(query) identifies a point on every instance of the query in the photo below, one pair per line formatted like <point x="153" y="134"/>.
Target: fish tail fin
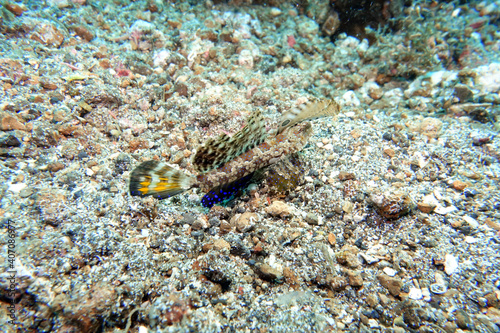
<point x="159" y="180"/>
<point x="308" y="111"/>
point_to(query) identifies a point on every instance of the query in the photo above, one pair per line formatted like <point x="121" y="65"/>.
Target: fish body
<point x="223" y="161"/>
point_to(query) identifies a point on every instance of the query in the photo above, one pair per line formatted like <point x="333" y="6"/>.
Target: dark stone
<point x="387" y="136"/>
<point x="83" y="154"/>
<point x="218" y="277"/>
<point x="360" y="245"/>
<point x="9" y="141"/>
<point x="463" y="93"/>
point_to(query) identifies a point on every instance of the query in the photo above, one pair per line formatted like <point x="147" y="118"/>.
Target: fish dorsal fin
<point x="308" y="111"/>
<point x="218" y="151"/>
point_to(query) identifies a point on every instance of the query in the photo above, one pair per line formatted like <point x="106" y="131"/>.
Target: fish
<point x="224" y="163"/>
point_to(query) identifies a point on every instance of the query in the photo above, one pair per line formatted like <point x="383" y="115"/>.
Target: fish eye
<point x="286" y="122"/>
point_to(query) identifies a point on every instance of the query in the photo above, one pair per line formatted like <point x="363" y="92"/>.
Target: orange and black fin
<point x="307" y="111"/>
<point x="159" y="180"/>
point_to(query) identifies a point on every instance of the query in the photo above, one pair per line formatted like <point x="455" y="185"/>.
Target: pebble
<point x="459" y="185"/>
<point x="275" y="12"/>
<point x="47" y="34"/>
<point x="450" y="264"/>
<point x="392" y="284"/>
<point x="369" y="259"/>
<point x="441" y="210"/>
<point x="472" y="222"/>
<point x="9" y="123"/>
<point x="221" y="245"/>
<point x="355" y="279"/>
<point x="26" y="192"/>
<point x="492" y="224"/>
<point x="279" y="209"/>
<point x="9" y="141"/>
<point x="415" y="293"/>
<point x="470" y="239"/>
<point x="389" y="271"/>
<point x="312" y="219"/>
<point x="245" y="221"/>
<point x="18" y="187"/>
<point x="426" y="206"/>
<point x="269" y="273"/>
<point x="463" y="320"/>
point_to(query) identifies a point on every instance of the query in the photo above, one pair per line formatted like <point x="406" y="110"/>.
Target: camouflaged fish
<point x="227" y="163"/>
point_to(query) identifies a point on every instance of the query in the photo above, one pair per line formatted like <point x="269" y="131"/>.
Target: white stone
<point x="160" y="58"/>
<point x="472" y="222"/>
<point x="389" y="271"/>
<point x="441" y="210"/>
<point x="350" y="99"/>
<point x="368" y="258"/>
<point x="328" y="146"/>
<point x="488" y="77"/>
<point x="16" y="188"/>
<point x="470" y="239"/>
<point x="275" y="12"/>
<point x="415" y="293"/>
<point x="450" y="264"/>
<point x="373" y="323"/>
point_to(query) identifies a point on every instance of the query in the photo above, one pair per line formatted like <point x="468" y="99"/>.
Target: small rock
<point x="372" y="300"/>
<point x="492" y="224"/>
<point x="55" y="166"/>
<point x="441" y="210"/>
<point x="348" y="258"/>
<point x="389" y="152"/>
<point x="266" y="272"/>
<point x="26" y="192"/>
<point x="463" y="93"/>
<point x="369" y="259"/>
<point x="9" y="141"/>
<point x="9" y="123"/>
<point x="389" y="271"/>
<point x="275" y="12"/>
<point x="355" y="279"/>
<point x="430" y="127"/>
<point x="428" y="203"/>
<point x="245" y="221"/>
<point x="15" y="8"/>
<point x="343" y="175"/>
<point x="459" y="185"/>
<point x="450" y="264"/>
<point x="392" y="284"/>
<point x="391" y="204"/>
<point x="279" y="209"/>
<point x="471" y="222"/>
<point x="332" y="239"/>
<point x="221" y="245"/>
<point x="312" y="219"/>
<point x="415" y="293"/>
<point x="337" y="283"/>
<point x="48" y="34"/>
<point x="463" y="320"/>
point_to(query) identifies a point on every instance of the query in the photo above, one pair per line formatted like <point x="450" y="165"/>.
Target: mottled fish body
<point x="225" y="160"/>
